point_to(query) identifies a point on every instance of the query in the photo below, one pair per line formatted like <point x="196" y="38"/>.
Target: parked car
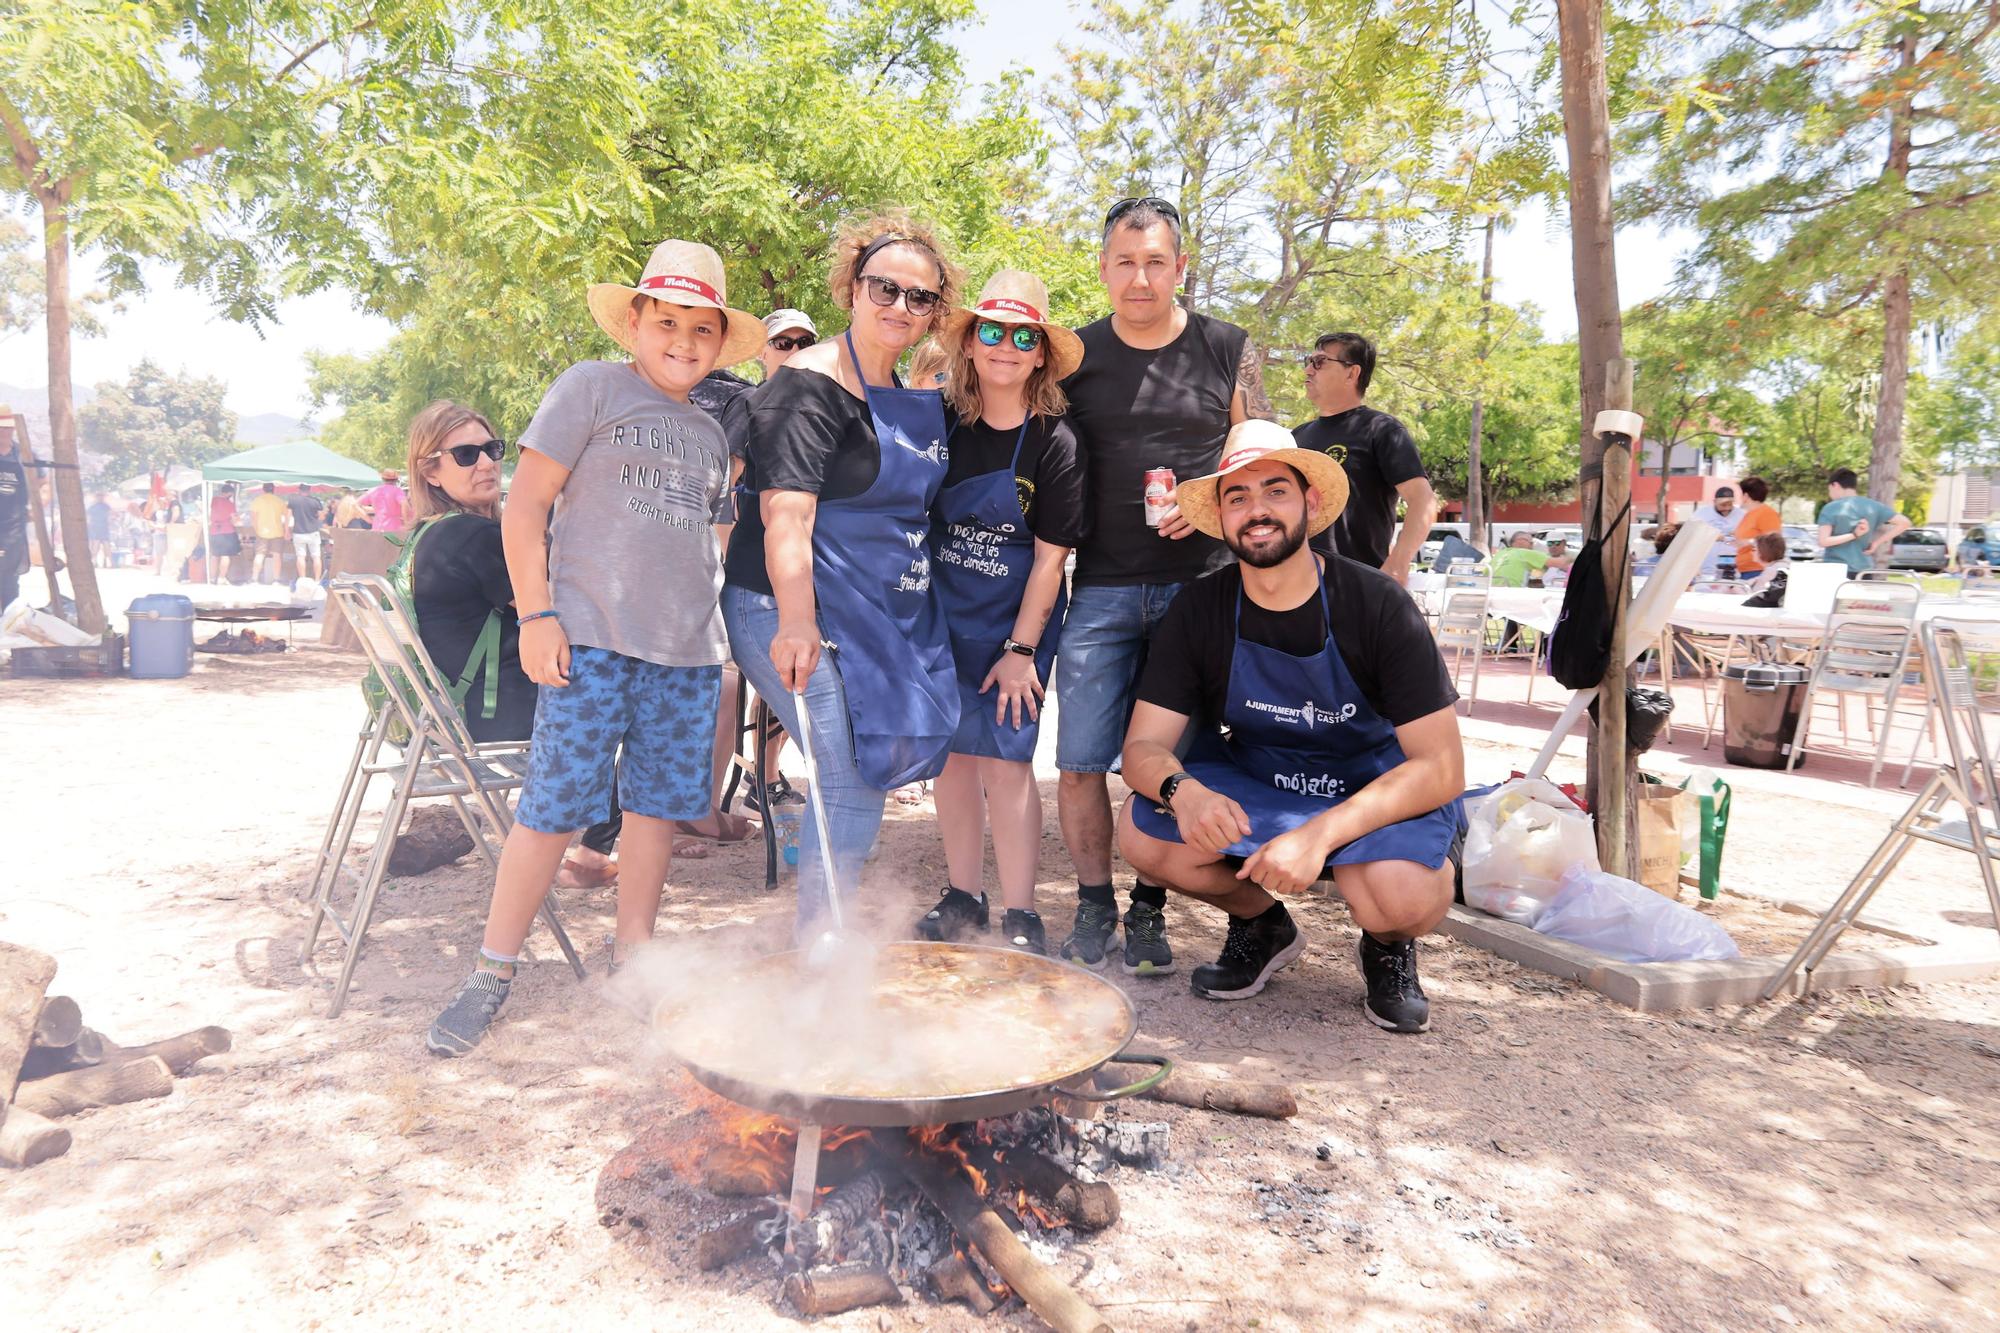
<point x="1981" y="548"/>
<point x="1427" y="553"/>
<point x="1921" y="549"/>
<point x="1801" y="543"/>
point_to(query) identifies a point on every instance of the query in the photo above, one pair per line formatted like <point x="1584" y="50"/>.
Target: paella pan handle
<point x="1143" y="1086"/>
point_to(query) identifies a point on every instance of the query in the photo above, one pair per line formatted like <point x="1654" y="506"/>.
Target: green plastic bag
<point x="1712" y="828"/>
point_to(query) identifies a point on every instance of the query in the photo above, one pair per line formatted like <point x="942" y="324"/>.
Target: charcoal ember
<point x="846" y="1224"/>
<point x="1101" y="1144"/>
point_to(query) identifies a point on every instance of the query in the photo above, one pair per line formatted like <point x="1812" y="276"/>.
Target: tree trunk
<point x="1885" y="454"/>
<point x="1600" y="341"/>
<point x="1475" y="481"/>
<point x="62" y="412"/>
<point x="1666" y="471"/>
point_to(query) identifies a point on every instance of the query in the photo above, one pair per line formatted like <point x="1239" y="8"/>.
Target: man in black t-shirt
<point x="1325" y="740"/>
<point x="1376" y="452"/>
<point x="13" y="511"/>
<point x="1159" y="388"/>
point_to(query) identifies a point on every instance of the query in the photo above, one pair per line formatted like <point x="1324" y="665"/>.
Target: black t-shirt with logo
<point x="1378" y="455"/>
<point x="1133" y="410"/>
<point x="1048" y="478"/>
<point x="1380" y="632"/>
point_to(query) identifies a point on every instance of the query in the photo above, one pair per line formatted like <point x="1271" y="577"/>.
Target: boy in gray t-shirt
<point x="612" y="558"/>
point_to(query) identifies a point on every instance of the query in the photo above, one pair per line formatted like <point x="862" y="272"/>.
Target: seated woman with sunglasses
<point x="458" y="583"/>
<point x="1011" y="510"/>
<point x="831" y="545"/>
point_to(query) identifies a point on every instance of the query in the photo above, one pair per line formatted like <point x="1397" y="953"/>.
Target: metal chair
<point x="438" y="758"/>
<point x="1968" y="780"/>
<point x="1461" y="624"/>
<point x="1866" y="650"/>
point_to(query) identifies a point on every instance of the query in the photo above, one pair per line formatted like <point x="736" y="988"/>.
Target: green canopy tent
<point x="293" y="463"/>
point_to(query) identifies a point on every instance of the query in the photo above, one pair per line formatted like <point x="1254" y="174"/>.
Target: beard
<point x="1273" y="553"/>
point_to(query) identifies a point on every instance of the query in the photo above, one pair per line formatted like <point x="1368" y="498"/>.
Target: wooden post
<point x="1613" y="771"/>
<point x="36" y="517"/>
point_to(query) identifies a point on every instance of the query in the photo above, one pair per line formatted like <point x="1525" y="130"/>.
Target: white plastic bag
<point x="24" y="626"/>
<point x="1630" y="922"/>
<point x="1524" y="834"/>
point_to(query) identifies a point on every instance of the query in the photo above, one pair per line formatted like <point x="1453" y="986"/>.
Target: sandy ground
<point x="1544" y="1159"/>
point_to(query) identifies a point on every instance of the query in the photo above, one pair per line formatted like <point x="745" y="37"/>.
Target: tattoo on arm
<point x="1250" y="379"/>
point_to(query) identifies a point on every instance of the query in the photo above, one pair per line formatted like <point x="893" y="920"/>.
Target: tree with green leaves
<point x="213" y="135"/>
<point x="1843" y="161"/>
<point x="155" y="420"/>
<point x="1692" y="382"/>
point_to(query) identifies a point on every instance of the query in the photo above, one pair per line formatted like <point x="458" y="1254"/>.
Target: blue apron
<point x="984" y="554"/>
<point x="877" y="608"/>
<point x="1302" y="738"/>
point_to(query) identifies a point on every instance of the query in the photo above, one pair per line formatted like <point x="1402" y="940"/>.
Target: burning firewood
<point x="738" y="1238"/>
<point x="1085" y="1205"/>
<point x="741" y="1173"/>
<point x="1102" y="1143"/>
<point x="952" y="1279"/>
<point x="830" y="1291"/>
<point x="1046" y="1294"/>
<point x="837" y="1222"/>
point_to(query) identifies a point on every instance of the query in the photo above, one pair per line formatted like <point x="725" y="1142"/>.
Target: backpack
<point x="484" y="659"/>
<point x="1580" y="648"/>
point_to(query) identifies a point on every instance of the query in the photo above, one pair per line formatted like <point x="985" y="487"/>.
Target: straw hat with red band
<point x="1013" y="297"/>
<point x="683" y="273"/>
<point x="1256" y="441"/>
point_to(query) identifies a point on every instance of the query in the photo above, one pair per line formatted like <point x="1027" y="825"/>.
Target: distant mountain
<point x="272" y="428"/>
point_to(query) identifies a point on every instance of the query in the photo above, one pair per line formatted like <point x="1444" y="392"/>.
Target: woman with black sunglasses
<point x="1011" y="510"/>
<point x="831" y="547"/>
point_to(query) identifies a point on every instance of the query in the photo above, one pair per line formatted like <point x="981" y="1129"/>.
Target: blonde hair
<point x="1042" y="393"/>
<point x="890" y="227"/>
<point x="929" y="363"/>
<point x="429" y="429"/>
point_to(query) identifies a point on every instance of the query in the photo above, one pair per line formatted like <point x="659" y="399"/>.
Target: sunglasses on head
<point x="1026" y="336"/>
<point x="1320" y="360"/>
<point x="918" y="301"/>
<point x="790" y="342"/>
<point x="467" y="455"/>
<point x="1152" y="201"/>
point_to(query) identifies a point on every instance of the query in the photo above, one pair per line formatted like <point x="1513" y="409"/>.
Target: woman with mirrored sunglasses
<point x="831" y="548"/>
<point x="1011" y="509"/>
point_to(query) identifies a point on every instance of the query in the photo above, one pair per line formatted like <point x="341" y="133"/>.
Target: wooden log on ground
<point x="720" y="1246"/>
<point x="1047" y="1295"/>
<point x="1087" y="1205"/>
<point x="25" y="975"/>
<point x="834" y="1290"/>
<point x="105" y="1085"/>
<point x="183" y="1051"/>
<point x="1269" y="1101"/>
<point x="59" y="1024"/>
<point x="823" y="1237"/>
<point x="952" y="1279"/>
<point x="87" y="1050"/>
<point x="26" y="1138"/>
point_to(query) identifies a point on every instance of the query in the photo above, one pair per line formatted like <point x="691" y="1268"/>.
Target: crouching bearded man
<point x="1324" y="740"/>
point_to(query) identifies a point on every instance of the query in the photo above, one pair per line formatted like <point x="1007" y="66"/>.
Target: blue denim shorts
<point x="663" y="716"/>
<point x="1097" y="673"/>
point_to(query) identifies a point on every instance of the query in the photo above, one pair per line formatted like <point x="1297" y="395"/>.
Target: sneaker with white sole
<point x="1396" y="1001"/>
<point x="464" y="1022"/>
<point x="1146" y="951"/>
<point x="1255" y="948"/>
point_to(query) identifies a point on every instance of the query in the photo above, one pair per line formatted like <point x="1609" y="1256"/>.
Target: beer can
<point x="1159" y="494"/>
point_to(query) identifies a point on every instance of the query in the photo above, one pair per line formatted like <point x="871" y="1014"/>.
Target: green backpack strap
<point x="485" y="657"/>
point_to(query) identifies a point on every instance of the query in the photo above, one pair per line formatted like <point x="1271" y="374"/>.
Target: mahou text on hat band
<point x="1010" y="306"/>
<point x="681" y="283"/>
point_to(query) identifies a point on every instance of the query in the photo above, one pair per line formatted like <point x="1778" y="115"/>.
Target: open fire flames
<point x="974" y="1213"/>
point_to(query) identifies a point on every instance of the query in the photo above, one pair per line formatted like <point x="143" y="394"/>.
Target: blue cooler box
<point x="161" y="631"/>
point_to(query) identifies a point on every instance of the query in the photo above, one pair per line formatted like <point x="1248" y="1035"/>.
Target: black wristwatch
<point x="1168" y="788"/>
<point x="1016" y="646"/>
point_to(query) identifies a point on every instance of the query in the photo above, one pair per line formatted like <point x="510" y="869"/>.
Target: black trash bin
<point x="1760" y="712"/>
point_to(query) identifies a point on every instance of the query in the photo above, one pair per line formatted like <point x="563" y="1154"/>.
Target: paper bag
<point x="1660" y="812"/>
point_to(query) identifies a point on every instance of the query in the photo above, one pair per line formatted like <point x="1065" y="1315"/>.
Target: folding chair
<point x="755" y="723"/>
<point x="1461" y="624"/>
<point x="438" y="759"/>
<point x="1968" y="780"/>
<point x="1866" y="650"/>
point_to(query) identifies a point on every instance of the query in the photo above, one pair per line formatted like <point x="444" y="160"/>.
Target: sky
<point x="266" y="372"/>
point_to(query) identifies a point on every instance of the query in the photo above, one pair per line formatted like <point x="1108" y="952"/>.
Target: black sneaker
<point x="1256" y="948"/>
<point x="1396" y="1000"/>
<point x="1023" y="930"/>
<point x="956" y="915"/>
<point x="1091" y="935"/>
<point x="465" y="1020"/>
<point x="1146" y="951"/>
<point x="778" y="790"/>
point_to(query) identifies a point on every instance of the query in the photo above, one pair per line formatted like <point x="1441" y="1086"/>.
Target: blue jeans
<point x="853" y="808"/>
<point x="1104" y="642"/>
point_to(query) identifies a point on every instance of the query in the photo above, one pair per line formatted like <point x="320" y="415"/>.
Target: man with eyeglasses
<point x="1159" y="388"/>
<point x="1376" y="452"/>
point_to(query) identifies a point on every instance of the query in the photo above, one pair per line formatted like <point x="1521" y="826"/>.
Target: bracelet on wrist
<point x="1018" y="648"/>
<point x="550" y="614"/>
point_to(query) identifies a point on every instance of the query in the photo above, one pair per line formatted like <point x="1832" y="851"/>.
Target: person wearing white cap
<point x="785" y="332"/>
<point x="612" y="558"/>
<point x="1326" y="741"/>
